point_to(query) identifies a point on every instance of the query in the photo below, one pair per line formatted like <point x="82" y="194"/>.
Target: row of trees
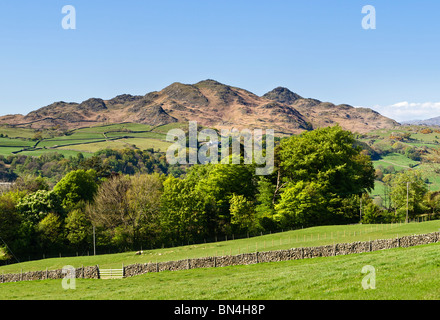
<point x="319" y="178"/>
<point x="54" y="166"/>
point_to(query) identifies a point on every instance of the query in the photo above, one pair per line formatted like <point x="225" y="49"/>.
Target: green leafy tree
<point x="129" y="208"/>
<point x="302" y="204"/>
<point x="144" y="196"/>
<point x="10" y="221"/>
<point x="328" y="155"/>
<point x="36" y="206"/>
<point x="77" y="228"/>
<point x="416" y="194"/>
<point x="433" y="202"/>
<point x="76" y="186"/>
<point x="184" y="210"/>
<point x="321" y="172"/>
<point x="50" y="231"/>
<point x="264" y="209"/>
<point x="242" y="215"/>
<point x="219" y="183"/>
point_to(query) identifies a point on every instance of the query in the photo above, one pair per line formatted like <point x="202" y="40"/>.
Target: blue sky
<point x="315" y="48"/>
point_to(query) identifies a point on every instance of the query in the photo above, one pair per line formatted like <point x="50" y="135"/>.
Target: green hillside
<point x="308" y="237"/>
<point x="401" y="274"/>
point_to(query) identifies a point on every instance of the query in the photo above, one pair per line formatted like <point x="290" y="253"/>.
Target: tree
<point x="36" y="206"/>
<point x="128" y="207"/>
<point x="328" y="155"/>
<point x="110" y="208"/>
<point x="50" y="231"/>
<point x="76" y="186"/>
<point x="144" y="197"/>
<point x="242" y="214"/>
<point x="321" y="172"/>
<point x="77" y="228"/>
<point x="416" y="193"/>
<point x="219" y="183"/>
<point x="184" y="211"/>
<point x="302" y="204"/>
<point x="31" y="183"/>
<point x="10" y="219"/>
<point x="433" y="202"/>
<point x="264" y="209"/>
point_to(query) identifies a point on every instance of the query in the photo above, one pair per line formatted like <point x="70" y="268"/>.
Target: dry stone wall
<point x="241" y="259"/>
<point x="83" y="272"/>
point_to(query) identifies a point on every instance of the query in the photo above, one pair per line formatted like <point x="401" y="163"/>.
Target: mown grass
<point x="309" y="237"/>
<point x="401" y="274"/>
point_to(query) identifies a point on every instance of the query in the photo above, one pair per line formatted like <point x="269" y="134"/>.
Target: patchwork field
<point x="85" y="140"/>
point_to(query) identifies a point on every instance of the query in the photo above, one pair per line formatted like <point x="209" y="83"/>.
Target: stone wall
<point x="241" y="259"/>
<point x="284" y="255"/>
<point x="84" y="272"/>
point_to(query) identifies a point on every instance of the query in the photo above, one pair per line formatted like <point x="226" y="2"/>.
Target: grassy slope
<point x="315" y="236"/>
<point x="403" y="273"/>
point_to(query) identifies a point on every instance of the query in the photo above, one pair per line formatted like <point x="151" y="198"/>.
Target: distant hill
<point x="210" y="103"/>
<point x="428" y="122"/>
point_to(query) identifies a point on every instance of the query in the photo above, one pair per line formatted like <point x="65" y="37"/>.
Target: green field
<point x="85" y="140"/>
<point x="403" y="273"/>
<point x="393" y="153"/>
<point x="399" y="161"/>
<point x="308" y="237"/>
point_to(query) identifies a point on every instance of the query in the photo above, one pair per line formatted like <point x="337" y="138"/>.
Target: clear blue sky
<point x="315" y="48"/>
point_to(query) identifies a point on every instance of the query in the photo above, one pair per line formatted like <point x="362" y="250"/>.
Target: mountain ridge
<point x="211" y="104"/>
<point x="435" y="121"/>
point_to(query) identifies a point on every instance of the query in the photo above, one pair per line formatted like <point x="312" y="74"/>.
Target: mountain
<point x="211" y="104"/>
<point x="428" y="122"/>
<point x="282" y="95"/>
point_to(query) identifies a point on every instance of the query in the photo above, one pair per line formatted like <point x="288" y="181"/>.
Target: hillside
<point x="307" y="237"/>
<point x="402" y="274"/>
<point x="338" y="277"/>
<point x="211" y="104"/>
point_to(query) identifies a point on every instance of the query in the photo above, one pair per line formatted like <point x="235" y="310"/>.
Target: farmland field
<point x="403" y="273"/>
<point x="85" y="140"/>
<point x="308" y="237"/>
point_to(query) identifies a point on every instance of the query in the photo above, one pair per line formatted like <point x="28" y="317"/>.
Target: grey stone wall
<point x="284" y="255"/>
<point x="241" y="259"/>
<point x="84" y="272"/>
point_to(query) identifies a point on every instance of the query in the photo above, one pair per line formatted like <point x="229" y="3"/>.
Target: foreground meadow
<point x="400" y="274"/>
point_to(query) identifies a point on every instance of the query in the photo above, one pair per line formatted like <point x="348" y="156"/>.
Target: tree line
<point x="133" y="199"/>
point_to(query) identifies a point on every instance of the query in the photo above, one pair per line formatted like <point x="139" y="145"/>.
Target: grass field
<point x="403" y="273"/>
<point x="309" y="237"/>
<point x="86" y="140"/>
<point x="399" y="161"/>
